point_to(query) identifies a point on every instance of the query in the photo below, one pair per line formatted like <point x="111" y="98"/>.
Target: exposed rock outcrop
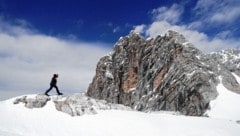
<point x="38" y="102"/>
<point x="80" y="104"/>
<point x="165" y="73"/>
<point x="225" y="63"/>
<point x="74" y="105"/>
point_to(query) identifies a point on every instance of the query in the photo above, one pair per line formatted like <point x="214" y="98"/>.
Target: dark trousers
<point x="51" y="86"/>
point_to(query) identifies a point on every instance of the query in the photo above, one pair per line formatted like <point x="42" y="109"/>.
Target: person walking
<point x="53" y="84"/>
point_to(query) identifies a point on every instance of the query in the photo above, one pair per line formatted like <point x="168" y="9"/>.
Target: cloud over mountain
<point x="205" y="16"/>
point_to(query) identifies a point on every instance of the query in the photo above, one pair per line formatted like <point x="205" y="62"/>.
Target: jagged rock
<point x="227" y="62"/>
<point x="20" y="100"/>
<point x="74" y="105"/>
<point x="38" y="102"/>
<point x="80" y="104"/>
<point x="165" y="73"/>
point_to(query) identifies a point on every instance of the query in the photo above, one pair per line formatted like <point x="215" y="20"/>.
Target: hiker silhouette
<point x="53" y="84"/>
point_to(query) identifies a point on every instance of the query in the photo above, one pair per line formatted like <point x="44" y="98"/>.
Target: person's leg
<point x="46" y="93"/>
<point x="57" y="90"/>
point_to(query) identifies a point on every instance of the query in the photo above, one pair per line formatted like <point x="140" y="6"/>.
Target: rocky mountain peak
<point x="165" y="73"/>
<point x="179" y="38"/>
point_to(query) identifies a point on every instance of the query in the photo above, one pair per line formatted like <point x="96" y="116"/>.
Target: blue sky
<point x="89" y="20"/>
<point x="107" y="20"/>
<point x="39" y="38"/>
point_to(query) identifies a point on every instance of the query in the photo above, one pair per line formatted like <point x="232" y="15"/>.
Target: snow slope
<point x="16" y="120"/>
<point x="226" y="106"/>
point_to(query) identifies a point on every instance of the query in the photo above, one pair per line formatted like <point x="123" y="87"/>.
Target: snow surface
<point x="16" y="120"/>
<point x="226" y="106"/>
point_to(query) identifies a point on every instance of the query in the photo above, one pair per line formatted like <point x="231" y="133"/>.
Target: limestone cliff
<point x="165" y="73"/>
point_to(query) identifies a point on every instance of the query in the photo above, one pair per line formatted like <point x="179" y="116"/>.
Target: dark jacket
<point x="53" y="81"/>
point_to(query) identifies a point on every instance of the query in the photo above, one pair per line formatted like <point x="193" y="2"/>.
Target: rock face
<point x="80" y="104"/>
<point x="165" y="73"/>
<point x="38" y="102"/>
<point x="74" y="105"/>
<point x="225" y="63"/>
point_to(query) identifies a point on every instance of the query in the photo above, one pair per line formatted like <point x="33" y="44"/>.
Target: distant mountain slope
<point x="165" y="73"/>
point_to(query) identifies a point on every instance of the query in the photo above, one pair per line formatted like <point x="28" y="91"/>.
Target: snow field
<point x="16" y="120"/>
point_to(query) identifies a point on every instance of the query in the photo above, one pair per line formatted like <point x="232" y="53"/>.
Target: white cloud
<point x="192" y="31"/>
<point x="172" y="14"/>
<point x="139" y="28"/>
<point x="218" y="11"/>
<point x="116" y="29"/>
<point x="196" y="25"/>
<point x="204" y="6"/>
<point x="28" y="61"/>
<point x="199" y="39"/>
<point x="9" y="28"/>
<point x="224" y="34"/>
<point x="226" y="15"/>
